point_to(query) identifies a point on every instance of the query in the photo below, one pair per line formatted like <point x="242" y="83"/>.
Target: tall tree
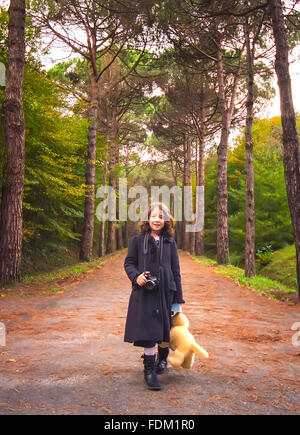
<point x="200" y="171"/>
<point x="227" y="107"/>
<point x="250" y="210"/>
<point x="180" y="123"/>
<point x="91" y="29"/>
<point x="14" y="136"/>
<point x="117" y="109"/>
<point x="291" y="158"/>
<point x="212" y="31"/>
<point x="255" y="31"/>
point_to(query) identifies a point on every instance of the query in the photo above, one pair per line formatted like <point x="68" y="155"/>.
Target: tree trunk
<point x="250" y="206"/>
<point x="227" y="113"/>
<point x="192" y="234"/>
<point x="119" y="237"/>
<point x="101" y="252"/>
<point x="14" y="137"/>
<point x="199" y="245"/>
<point x="89" y="205"/>
<point x="182" y="232"/>
<point x="290" y="139"/>
<point x="111" y="236"/>
<point x="119" y="231"/>
<point x="125" y="234"/>
<point x="178" y="223"/>
<point x="186" y="182"/>
<point x="125" y="226"/>
<point x="222" y="207"/>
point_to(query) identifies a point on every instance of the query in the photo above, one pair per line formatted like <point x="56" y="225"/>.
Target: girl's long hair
<point x="168" y="229"/>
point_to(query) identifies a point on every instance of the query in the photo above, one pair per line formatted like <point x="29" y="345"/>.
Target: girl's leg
<point x="161" y="363"/>
<point x="149" y="350"/>
<point x="149" y="364"/>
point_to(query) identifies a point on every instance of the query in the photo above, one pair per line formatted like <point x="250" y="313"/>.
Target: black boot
<point x="150" y="372"/>
<point x="161" y="363"/>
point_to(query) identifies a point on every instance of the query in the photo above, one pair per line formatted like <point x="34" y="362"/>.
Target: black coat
<point x="149" y="311"/>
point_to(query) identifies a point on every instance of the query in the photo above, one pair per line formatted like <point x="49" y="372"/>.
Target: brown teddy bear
<point x="183" y="343"/>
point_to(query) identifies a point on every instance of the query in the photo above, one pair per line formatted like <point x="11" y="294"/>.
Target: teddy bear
<point x="183" y="343"/>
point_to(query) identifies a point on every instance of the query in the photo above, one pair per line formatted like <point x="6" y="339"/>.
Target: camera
<point x="152" y="281"/>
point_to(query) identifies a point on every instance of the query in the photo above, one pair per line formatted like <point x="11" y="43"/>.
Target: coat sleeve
<point x="131" y="260"/>
<point x="176" y="273"/>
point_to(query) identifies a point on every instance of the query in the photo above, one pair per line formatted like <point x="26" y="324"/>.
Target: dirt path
<point x="65" y="353"/>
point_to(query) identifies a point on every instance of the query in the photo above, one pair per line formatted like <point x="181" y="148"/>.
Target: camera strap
<point x="146" y="240"/>
<point x="146" y="244"/>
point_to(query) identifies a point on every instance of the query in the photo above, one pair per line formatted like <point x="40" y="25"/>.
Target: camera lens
<point x="149" y="285"/>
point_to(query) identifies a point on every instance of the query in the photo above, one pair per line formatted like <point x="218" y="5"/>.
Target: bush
<point x="264" y="255"/>
<point x="282" y="266"/>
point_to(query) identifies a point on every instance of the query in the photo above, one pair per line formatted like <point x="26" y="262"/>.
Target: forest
<point x="160" y="93"/>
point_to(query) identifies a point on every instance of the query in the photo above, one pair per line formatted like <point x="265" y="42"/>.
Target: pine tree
<point x="14" y="137"/>
<point x="290" y="139"/>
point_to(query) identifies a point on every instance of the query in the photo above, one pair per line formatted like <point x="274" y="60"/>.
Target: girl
<point x="153" y="298"/>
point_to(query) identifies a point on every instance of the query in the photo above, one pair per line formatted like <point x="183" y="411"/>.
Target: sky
<point x="271" y="110"/>
<point x="274" y="106"/>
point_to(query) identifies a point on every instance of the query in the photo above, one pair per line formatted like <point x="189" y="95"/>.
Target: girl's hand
<point x="141" y="280"/>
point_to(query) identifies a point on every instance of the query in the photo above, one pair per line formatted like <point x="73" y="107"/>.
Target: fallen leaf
<point x="11" y="360"/>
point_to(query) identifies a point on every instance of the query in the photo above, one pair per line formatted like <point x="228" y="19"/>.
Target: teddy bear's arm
<point x="199" y="350"/>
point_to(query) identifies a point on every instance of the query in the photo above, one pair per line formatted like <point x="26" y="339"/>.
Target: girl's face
<point x="156" y="220"/>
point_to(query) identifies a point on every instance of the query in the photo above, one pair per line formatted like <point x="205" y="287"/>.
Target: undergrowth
<point x="266" y="286"/>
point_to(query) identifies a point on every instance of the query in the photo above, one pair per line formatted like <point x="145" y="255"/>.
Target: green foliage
<point x="55" y="142"/>
<point x="3" y="33"/>
<point x="266" y="286"/>
<point x="282" y="266"/>
<point x="264" y="255"/>
<point x="273" y="223"/>
<point x="68" y="271"/>
<point x="50" y="277"/>
<point x="205" y="260"/>
<point x="54" y="172"/>
<point x="73" y="72"/>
